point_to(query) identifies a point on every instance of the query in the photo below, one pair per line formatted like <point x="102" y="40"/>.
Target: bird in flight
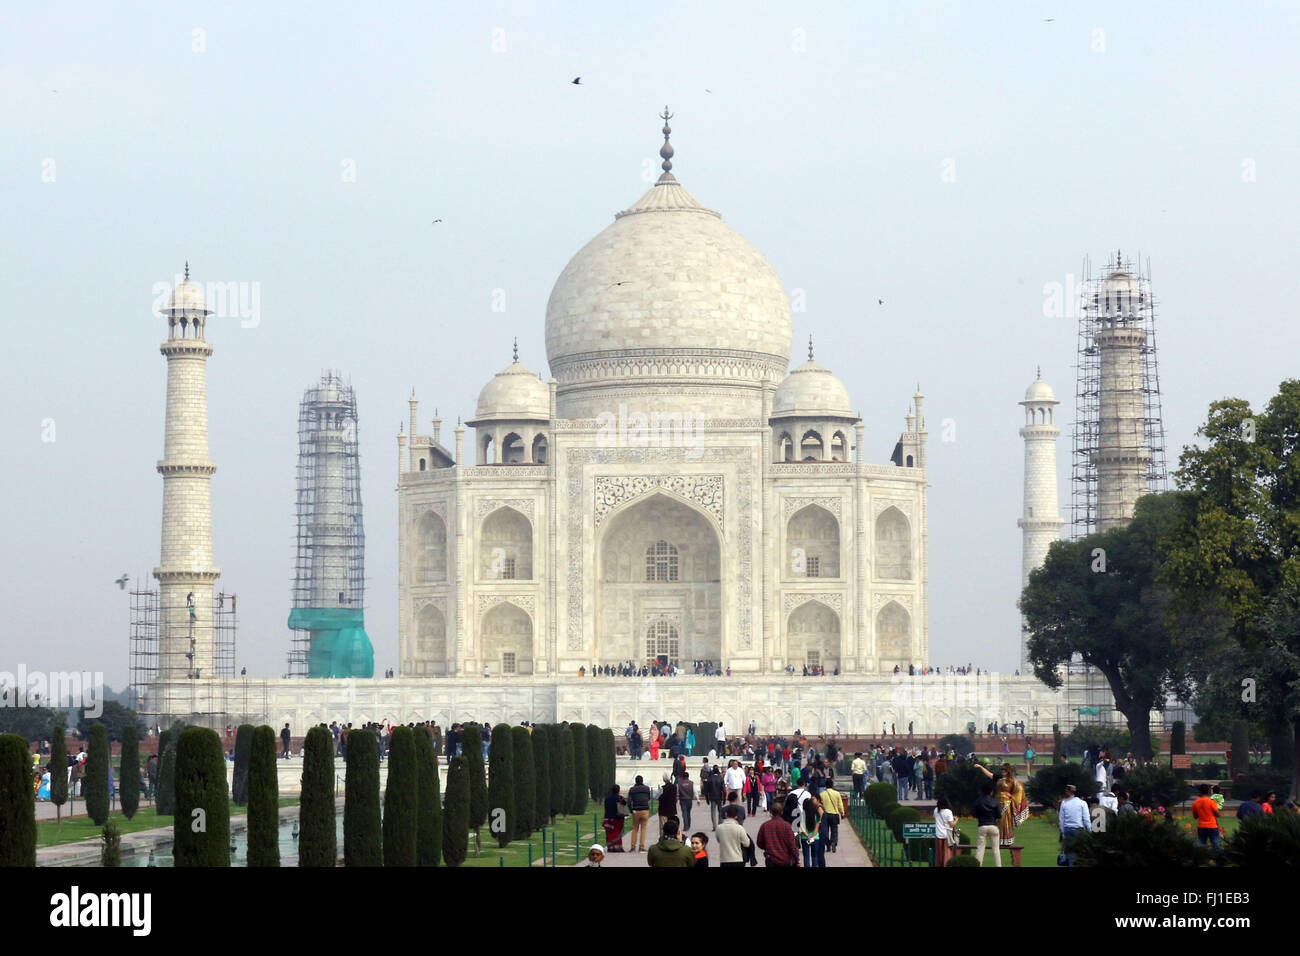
<point x="880" y="301"/>
<point x="708" y="91"/>
<point x="577" y="81"/>
<point x="1049" y="20"/>
<point x="121" y="582"/>
<point x="435" y="222"/>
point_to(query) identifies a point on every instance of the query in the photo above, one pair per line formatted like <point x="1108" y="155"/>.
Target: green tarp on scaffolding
<point x="339" y="645"/>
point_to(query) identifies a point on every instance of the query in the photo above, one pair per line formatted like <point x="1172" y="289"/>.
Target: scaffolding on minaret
<point x="329" y="567"/>
<point x="1087" y="432"/>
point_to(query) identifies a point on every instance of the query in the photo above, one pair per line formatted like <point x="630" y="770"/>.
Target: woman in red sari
<point x="615" y="813"/>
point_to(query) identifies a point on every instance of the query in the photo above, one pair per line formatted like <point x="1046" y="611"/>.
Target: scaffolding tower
<point x="197" y="696"/>
<point x="1086" y="437"/>
<point x="329" y="569"/>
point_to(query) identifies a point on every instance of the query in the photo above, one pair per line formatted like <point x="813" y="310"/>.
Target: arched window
<point x="431" y="550"/>
<point x="839" y="447"/>
<point x="811" y="447"/>
<point x="422" y="464"/>
<point x="661" y="562"/>
<point x="506" y="549"/>
<point x="489" y="450"/>
<point x="662" y="640"/>
<point x="539" y="450"/>
<point x="909" y="461"/>
<point x="785" y="447"/>
<point x="893" y="546"/>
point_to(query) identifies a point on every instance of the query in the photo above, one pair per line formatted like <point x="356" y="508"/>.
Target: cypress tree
<point x="362" y="842"/>
<point x="578" y="795"/>
<point x="478" y="798"/>
<point x="542" y="774"/>
<point x="97" y="758"/>
<point x="59" y="771"/>
<point x="595" y="765"/>
<point x="243" y="749"/>
<point x="165" y="798"/>
<point x="611" y="759"/>
<point x="501" y="784"/>
<point x="129" y="775"/>
<point x="455" y="816"/>
<point x="566" y="768"/>
<point x="263" y="797"/>
<point x="401" y="800"/>
<point x="201" y="827"/>
<point x="428" y="829"/>
<point x="17" y="803"/>
<point x="525" y="782"/>
<point x="556" y="804"/>
<point x="317" y="839"/>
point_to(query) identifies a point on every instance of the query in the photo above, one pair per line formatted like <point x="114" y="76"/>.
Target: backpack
<point x="792" y="809"/>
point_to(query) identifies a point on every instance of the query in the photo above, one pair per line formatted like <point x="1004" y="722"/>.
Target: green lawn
<point x="1039" y="836"/>
<point x="81" y="828"/>
<point x="515" y="853"/>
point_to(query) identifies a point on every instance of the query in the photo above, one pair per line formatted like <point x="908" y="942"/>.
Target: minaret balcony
<point x="188" y="468"/>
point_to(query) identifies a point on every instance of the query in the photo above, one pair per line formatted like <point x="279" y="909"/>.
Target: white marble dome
<point x="812" y="391"/>
<point x="187" y="297"/>
<point x="514" y="393"/>
<point x="667" y="295"/>
<point x="1040" y="391"/>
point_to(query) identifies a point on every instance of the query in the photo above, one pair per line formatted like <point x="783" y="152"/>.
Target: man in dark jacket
<point x="667" y="801"/>
<point x="638" y="801"/>
<point x="670" y="851"/>
<point x="685" y="799"/>
<point x="715" y="792"/>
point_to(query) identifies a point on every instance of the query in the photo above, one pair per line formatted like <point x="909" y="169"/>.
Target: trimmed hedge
<point x="128" y="776"/>
<point x="555" y="803"/>
<point x="525" y="782"/>
<point x="960" y="785"/>
<point x="455" y="817"/>
<point x="1265" y="840"/>
<point x="918" y="849"/>
<point x="880" y="795"/>
<point x="478" y="799"/>
<point x="578" y="795"/>
<point x="595" y="765"/>
<point x="566" y="768"/>
<point x="263" y="798"/>
<point x="542" y="775"/>
<point x="243" y="751"/>
<point x="318" y="843"/>
<point x="1134" y="840"/>
<point x="611" y="762"/>
<point x="1154" y="786"/>
<point x="17" y="803"/>
<point x="110" y="851"/>
<point x="428" y="830"/>
<point x="965" y="859"/>
<point x="201" y="826"/>
<point x="501" y="784"/>
<point x="97" y="759"/>
<point x="362" y="836"/>
<point x="165" y="796"/>
<point x="1047" y="786"/>
<point x="59" y="781"/>
<point x="401" y="800"/>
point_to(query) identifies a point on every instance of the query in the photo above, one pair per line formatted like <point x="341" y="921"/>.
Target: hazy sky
<point x="952" y="159"/>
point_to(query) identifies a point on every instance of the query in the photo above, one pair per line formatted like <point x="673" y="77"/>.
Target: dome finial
<point x="187" y="270"/>
<point x="516" y="349"/>
<point x="1040" y="373"/>
<point x="666" y="151"/>
<point x="810" y="358"/>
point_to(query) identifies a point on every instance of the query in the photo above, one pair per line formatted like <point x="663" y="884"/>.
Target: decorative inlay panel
<point x="703" y="490"/>
<point x="792" y="599"/>
<point x="790" y="505"/>
<point x="485" y="506"/>
<point x="525" y="602"/>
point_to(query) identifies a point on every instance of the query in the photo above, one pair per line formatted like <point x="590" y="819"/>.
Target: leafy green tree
<point x="1047" y="786"/>
<point x="1058" y="744"/>
<point x="428" y="836"/>
<point x="362" y="836"/>
<point x="317" y="838"/>
<point x="201" y="827"/>
<point x="30" y="722"/>
<point x="97" y="769"/>
<point x="455" y="814"/>
<point x="961" y="745"/>
<point x="1236" y="547"/>
<point x="525" y="782"/>
<point x="128" y="775"/>
<point x="1240" y="748"/>
<point x="960" y="785"/>
<point x="401" y="800"/>
<point x="879" y="795"/>
<point x="17" y="803"/>
<point x="113" y="716"/>
<point x="59" y="772"/>
<point x="1134" y="840"/>
<point x="595" y="765"/>
<point x="1155" y="786"/>
<point x="578" y="795"/>
<point x="501" y="784"/>
<point x="1098" y="597"/>
<point x="478" y="798"/>
<point x="556" y="802"/>
<point x="566" y="768"/>
<point x="542" y="772"/>
<point x="243" y="750"/>
<point x="263" y="798"/>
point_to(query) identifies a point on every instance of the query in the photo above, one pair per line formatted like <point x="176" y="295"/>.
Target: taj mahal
<point x="671" y="492"/>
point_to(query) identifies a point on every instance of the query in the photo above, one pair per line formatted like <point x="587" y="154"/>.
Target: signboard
<point x="1180" y="762"/>
<point x="918" y="831"/>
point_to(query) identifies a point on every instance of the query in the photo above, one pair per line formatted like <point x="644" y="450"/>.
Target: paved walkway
<point x="850" y="852"/>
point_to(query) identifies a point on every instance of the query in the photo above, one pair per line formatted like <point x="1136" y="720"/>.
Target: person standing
<point x="732" y="839"/>
<point x="753" y="791"/>
<point x="638" y="801"/>
<point x="667" y="801"/>
<point x="809" y="832"/>
<point x="1074" y="821"/>
<point x="685" y="798"/>
<point x="669" y="851"/>
<point x="715" y="793"/>
<point x="927" y="778"/>
<point x="720" y="740"/>
<point x="768" y="781"/>
<point x="734" y="778"/>
<point x="859" y="771"/>
<point x="987" y="811"/>
<point x="833" y="804"/>
<point x="1206" y="812"/>
<point x="944" y="825"/>
<point x="777" y="841"/>
<point x="285" y="737"/>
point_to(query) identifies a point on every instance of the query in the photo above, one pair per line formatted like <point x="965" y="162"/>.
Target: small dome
<point x="1040" y="391"/>
<point x="812" y="391"/>
<point x="513" y="393"/>
<point x="187" y="297"/>
<point x="1120" y="293"/>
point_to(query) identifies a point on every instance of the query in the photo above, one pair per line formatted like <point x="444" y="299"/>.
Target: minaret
<point x="1122" y="458"/>
<point x="1042" y="521"/>
<point x="186" y="574"/>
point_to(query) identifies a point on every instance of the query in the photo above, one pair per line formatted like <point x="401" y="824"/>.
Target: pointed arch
<point x="893" y="633"/>
<point x="813" y="636"/>
<point x="507" y="640"/>
<point x="813" y="542"/>
<point x="506" y="546"/>
<point x="893" y="545"/>
<point x="430" y="549"/>
<point x="430" y="641"/>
